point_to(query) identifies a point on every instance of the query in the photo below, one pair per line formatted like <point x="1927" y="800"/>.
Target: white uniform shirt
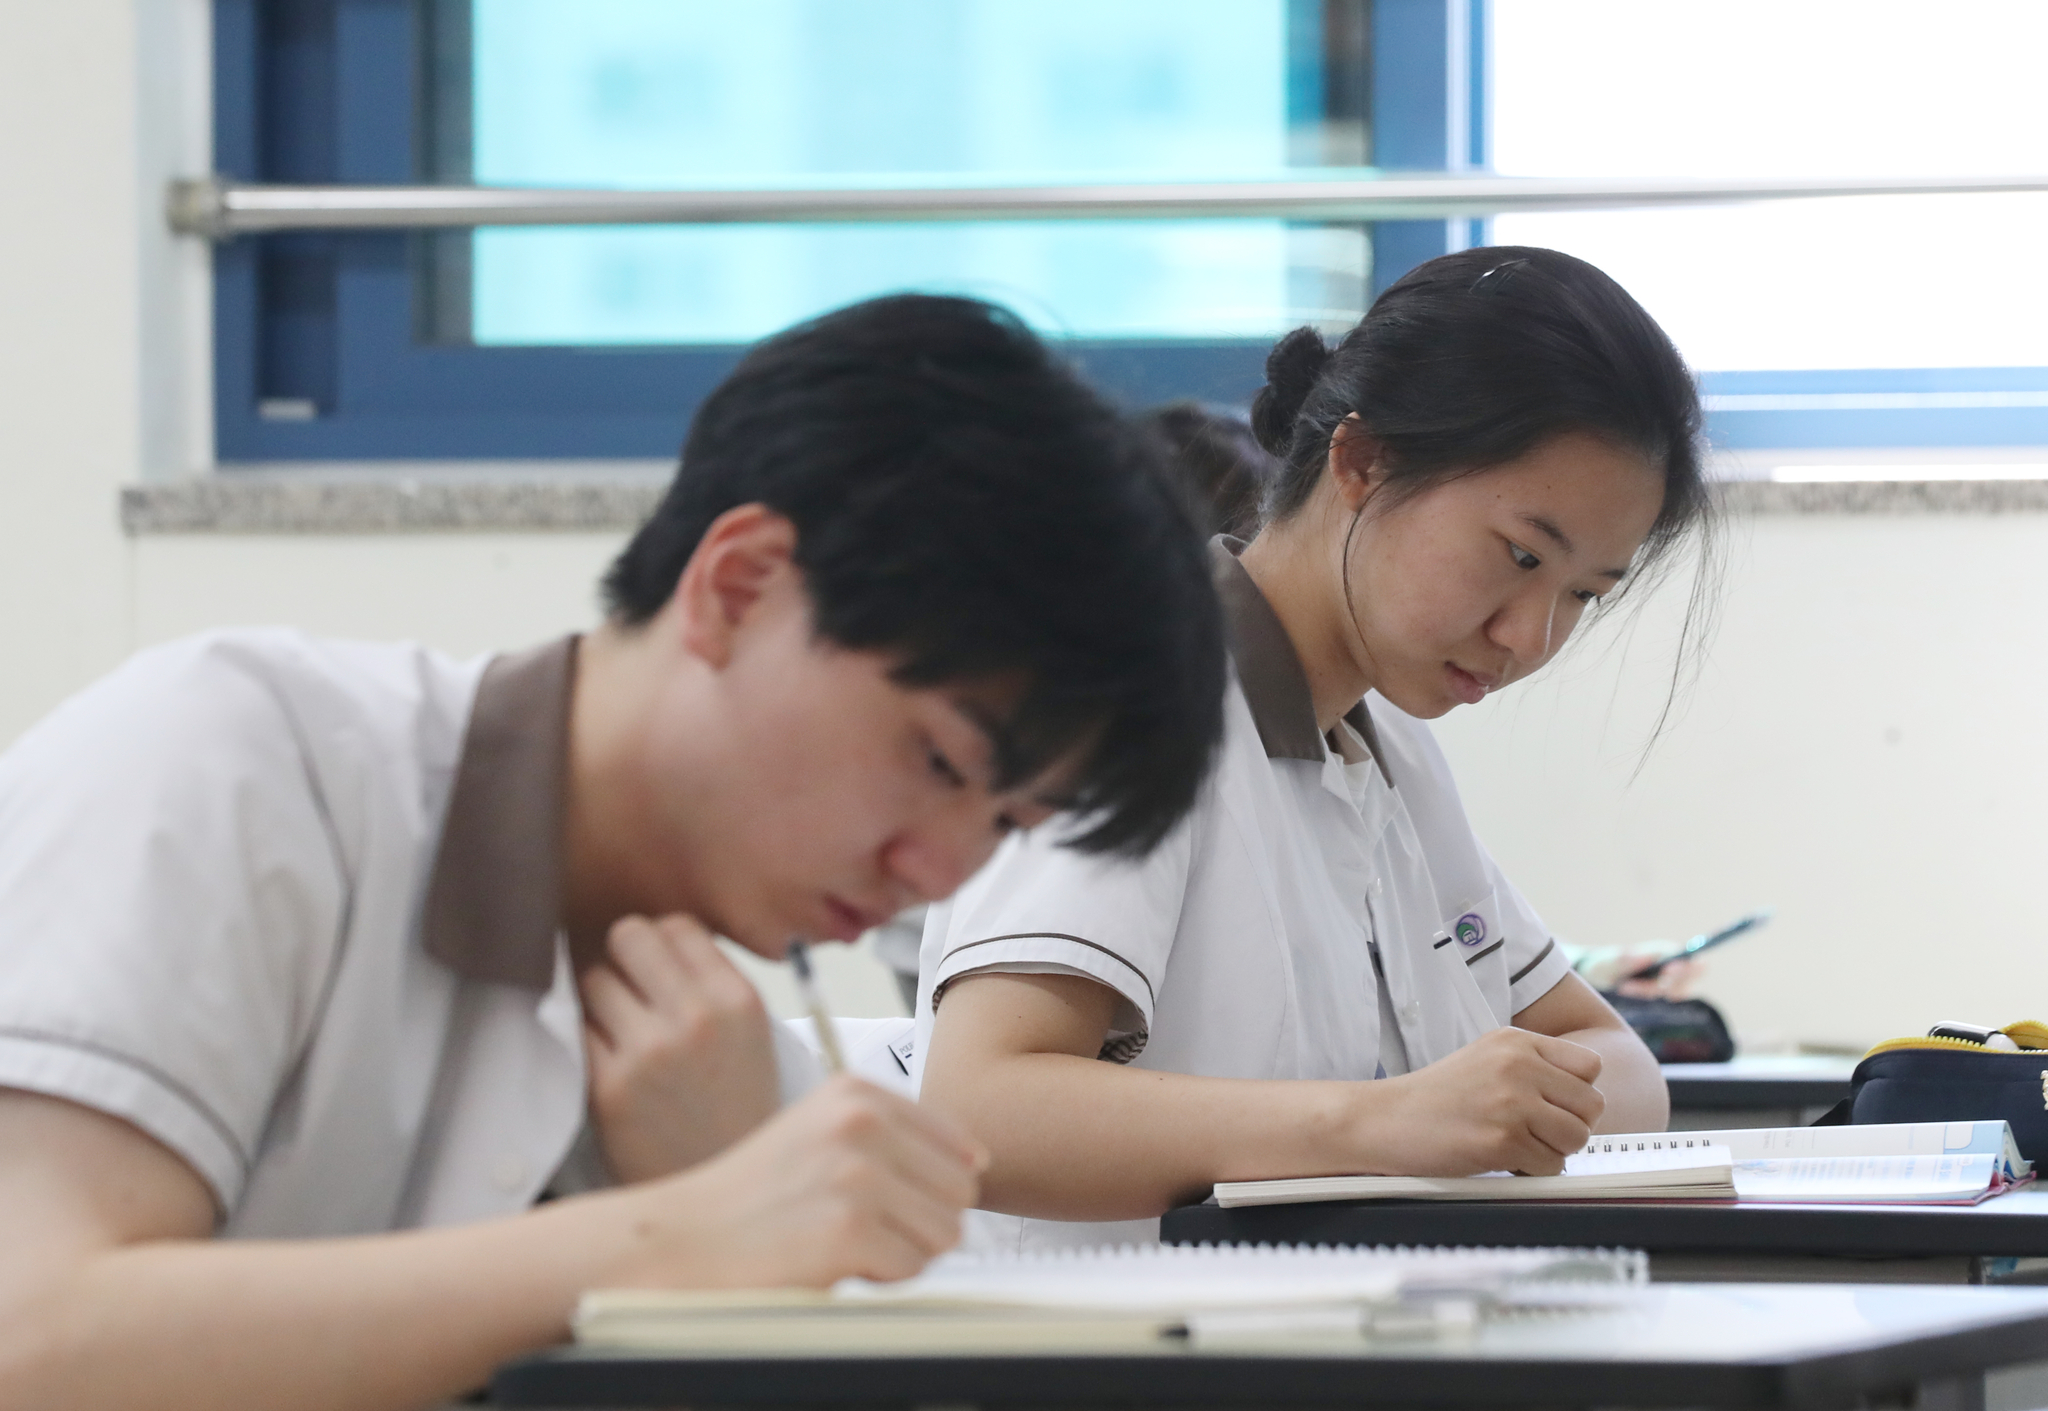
<point x="222" y="919"/>
<point x="1243" y="946"/>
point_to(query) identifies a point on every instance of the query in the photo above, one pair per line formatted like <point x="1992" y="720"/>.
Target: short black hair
<point x="963" y="502"/>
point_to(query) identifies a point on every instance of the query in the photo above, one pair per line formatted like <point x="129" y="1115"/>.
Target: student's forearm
<point x="382" y="1321"/>
<point x="1075" y="1138"/>
<point x="108" y="1303"/>
<point x="1630" y="1080"/>
<point x="1080" y="1139"/>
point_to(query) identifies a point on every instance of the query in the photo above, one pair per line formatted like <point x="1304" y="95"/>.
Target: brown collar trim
<point x="1269" y="669"/>
<point x="494" y="904"/>
<point x="1275" y="687"/>
<point x="1360" y="719"/>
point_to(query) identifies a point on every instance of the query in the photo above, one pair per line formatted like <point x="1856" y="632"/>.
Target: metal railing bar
<point x="217" y="209"/>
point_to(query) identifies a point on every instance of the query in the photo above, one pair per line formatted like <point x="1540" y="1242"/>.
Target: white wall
<point x="463" y="593"/>
<point x="1862" y="752"/>
<point x="69" y="344"/>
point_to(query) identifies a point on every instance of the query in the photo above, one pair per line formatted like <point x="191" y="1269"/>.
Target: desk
<point x="1787" y="1090"/>
<point x="2005" y="1237"/>
<point x="1770" y="1346"/>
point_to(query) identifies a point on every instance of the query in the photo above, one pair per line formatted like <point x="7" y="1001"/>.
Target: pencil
<point x="821" y="1018"/>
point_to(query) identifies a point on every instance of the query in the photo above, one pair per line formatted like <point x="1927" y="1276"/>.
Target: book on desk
<point x="1913" y="1163"/>
<point x="1123" y="1299"/>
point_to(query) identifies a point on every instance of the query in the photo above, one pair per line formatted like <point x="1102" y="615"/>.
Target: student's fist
<point x="682" y="1062"/>
<point x="850" y="1181"/>
<point x="1509" y="1101"/>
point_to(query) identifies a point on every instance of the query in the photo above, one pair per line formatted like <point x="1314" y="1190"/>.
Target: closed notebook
<point x="1912" y="1163"/>
<point x="1117" y="1299"/>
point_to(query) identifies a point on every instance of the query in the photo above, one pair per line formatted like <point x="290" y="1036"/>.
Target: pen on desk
<point x="821" y="1019"/>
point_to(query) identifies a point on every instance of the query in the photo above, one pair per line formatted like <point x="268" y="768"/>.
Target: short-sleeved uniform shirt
<point x="1324" y="912"/>
<point x="290" y="907"/>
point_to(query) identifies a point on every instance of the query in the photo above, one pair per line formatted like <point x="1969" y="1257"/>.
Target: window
<point x="661" y="94"/>
<point x="1843" y="322"/>
<point x="1861" y="322"/>
<point x="581" y="342"/>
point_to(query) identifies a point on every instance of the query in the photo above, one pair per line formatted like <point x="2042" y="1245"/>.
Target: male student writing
<point x="330" y="949"/>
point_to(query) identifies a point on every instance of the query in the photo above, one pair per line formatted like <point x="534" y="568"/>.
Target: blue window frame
<point x="1940" y="406"/>
<point x="320" y="352"/>
<point x="1429" y="114"/>
<point x="326" y="345"/>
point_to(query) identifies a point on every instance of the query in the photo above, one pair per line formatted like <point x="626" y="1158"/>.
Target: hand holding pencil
<point x="814" y="1005"/>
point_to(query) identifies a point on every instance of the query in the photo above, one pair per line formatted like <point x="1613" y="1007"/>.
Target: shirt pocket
<point x="1469" y="985"/>
<point x="1474" y="933"/>
<point x="1479" y="932"/>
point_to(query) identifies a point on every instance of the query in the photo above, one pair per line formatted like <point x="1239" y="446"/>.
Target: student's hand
<point x="850" y="1181"/>
<point x="682" y="1062"/>
<point x="1509" y="1101"/>
<point x="1677" y="980"/>
<point x="1612" y="968"/>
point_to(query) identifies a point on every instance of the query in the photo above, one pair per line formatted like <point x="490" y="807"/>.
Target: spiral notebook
<point x="1130" y="1298"/>
<point x="1907" y="1163"/>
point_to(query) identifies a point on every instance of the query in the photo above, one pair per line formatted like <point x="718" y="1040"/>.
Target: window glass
<point x="682" y="93"/>
<point x="1794" y="88"/>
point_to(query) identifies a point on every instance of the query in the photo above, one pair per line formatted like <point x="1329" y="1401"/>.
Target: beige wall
<point x="69" y="343"/>
<point x="463" y="593"/>
<point x="1862" y="751"/>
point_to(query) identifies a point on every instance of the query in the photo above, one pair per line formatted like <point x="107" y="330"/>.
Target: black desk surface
<point x="2014" y="1224"/>
<point x="1723" y="1345"/>
<point x="1757" y="1083"/>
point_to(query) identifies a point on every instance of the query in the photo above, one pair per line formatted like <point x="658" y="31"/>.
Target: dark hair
<point x="963" y="503"/>
<point x="1474" y="359"/>
<point x="1223" y="468"/>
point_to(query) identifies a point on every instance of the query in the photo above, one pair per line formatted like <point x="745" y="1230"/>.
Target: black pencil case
<point x="1677" y="1030"/>
<point x="1954" y="1080"/>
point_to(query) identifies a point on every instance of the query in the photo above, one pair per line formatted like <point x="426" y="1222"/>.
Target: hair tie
<point x="1505" y="270"/>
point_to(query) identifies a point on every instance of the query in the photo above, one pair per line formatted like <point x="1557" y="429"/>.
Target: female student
<point x="1506" y="439"/>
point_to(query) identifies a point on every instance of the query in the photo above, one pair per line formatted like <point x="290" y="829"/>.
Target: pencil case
<point x="1953" y="1080"/>
<point x="1676" y="1030"/>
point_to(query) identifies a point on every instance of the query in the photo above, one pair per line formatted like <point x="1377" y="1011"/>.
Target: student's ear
<point x="1357" y="462"/>
<point x="747" y="553"/>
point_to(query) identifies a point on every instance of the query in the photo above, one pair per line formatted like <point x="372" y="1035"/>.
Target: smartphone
<point x="1706" y="942"/>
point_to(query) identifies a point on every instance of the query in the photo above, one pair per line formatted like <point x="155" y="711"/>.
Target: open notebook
<point x="1119" y="1299"/>
<point x="1906" y="1163"/>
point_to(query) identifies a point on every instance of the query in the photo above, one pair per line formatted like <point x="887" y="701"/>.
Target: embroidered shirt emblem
<point x="1470" y="929"/>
